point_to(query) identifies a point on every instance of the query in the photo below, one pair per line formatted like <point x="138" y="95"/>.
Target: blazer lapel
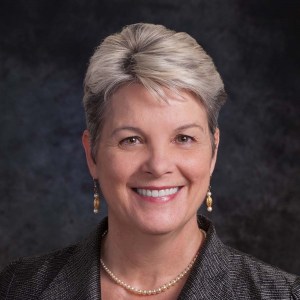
<point x="80" y="276"/>
<point x="209" y="277"/>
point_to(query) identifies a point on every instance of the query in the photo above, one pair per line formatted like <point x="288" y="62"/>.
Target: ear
<point x="88" y="154"/>
<point x="214" y="157"/>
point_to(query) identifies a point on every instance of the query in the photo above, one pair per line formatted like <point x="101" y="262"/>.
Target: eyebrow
<point x="138" y="130"/>
<point x="187" y="126"/>
<point x="128" y="128"/>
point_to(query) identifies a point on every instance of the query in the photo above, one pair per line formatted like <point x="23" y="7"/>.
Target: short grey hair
<point x="157" y="58"/>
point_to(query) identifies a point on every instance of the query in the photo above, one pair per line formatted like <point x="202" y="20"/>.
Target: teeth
<point x="157" y="193"/>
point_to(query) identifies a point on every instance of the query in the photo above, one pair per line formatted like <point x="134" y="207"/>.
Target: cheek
<point x="197" y="166"/>
<point x="198" y="175"/>
<point x="114" y="168"/>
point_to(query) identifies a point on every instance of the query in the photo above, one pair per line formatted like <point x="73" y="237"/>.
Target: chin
<point x="156" y="230"/>
<point x="160" y="224"/>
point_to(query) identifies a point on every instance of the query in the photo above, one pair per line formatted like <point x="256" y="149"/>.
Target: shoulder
<point x="261" y="279"/>
<point x="239" y="275"/>
<point x="33" y="273"/>
<point x="71" y="270"/>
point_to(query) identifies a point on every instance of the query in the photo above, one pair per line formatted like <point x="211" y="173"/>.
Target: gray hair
<point x="157" y="58"/>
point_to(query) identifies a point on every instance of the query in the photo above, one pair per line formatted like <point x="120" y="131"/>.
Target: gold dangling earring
<point x="96" y="198"/>
<point x="209" y="200"/>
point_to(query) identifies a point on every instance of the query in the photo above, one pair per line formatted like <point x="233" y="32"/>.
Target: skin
<point x="150" y="144"/>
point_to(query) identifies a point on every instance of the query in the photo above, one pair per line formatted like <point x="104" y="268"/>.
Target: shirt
<point x="220" y="272"/>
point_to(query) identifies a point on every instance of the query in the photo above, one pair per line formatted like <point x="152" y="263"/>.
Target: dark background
<point x="46" y="190"/>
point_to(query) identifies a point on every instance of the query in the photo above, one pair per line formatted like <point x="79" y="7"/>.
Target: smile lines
<point x="157" y="193"/>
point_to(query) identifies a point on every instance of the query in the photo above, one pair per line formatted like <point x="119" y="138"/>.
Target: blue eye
<point x="183" y="139"/>
<point x="131" y="140"/>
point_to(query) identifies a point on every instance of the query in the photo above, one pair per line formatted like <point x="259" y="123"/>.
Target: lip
<point x="157" y="187"/>
<point x="157" y="199"/>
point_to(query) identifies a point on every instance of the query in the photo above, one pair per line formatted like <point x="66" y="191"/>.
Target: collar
<point x="210" y="272"/>
<point x="80" y="276"/>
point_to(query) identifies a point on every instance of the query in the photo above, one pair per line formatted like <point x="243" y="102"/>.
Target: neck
<point x="150" y="259"/>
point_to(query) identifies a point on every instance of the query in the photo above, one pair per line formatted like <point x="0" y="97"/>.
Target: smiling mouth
<point x="155" y="193"/>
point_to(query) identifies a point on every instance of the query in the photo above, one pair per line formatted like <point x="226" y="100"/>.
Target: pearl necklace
<point x="158" y="290"/>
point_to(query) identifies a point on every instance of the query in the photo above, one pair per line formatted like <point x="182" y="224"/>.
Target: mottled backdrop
<point x="46" y="191"/>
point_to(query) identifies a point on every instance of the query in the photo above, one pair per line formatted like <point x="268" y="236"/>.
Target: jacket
<point x="220" y="272"/>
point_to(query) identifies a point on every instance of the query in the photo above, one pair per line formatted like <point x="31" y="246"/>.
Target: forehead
<point x="135" y="102"/>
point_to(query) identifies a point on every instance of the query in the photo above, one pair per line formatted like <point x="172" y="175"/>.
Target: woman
<point x="152" y="98"/>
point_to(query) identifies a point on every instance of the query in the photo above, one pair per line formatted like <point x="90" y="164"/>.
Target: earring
<point x="209" y="200"/>
<point x="96" y="198"/>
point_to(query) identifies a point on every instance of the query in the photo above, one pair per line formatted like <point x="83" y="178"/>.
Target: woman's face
<point x="154" y="160"/>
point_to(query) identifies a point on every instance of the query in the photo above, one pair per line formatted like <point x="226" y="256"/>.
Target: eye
<point x="131" y="140"/>
<point x="184" y="139"/>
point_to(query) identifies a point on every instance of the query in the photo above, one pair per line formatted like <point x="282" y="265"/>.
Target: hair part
<point x="157" y="58"/>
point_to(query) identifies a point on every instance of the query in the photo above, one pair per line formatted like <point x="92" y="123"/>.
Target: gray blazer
<point x="220" y="272"/>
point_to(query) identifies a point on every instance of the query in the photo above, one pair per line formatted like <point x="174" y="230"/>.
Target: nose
<point x="159" y="161"/>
